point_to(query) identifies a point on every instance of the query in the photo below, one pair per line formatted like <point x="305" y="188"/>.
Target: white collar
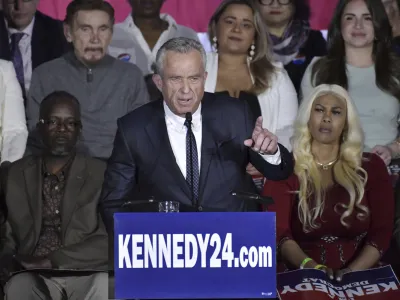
<point x="166" y="17"/>
<point x="27" y="31"/>
<point x="179" y="122"/>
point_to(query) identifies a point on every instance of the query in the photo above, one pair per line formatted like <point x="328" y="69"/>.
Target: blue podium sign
<point x="195" y="255"/>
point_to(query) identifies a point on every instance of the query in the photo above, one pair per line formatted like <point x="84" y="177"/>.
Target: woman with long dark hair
<point x="360" y="59"/>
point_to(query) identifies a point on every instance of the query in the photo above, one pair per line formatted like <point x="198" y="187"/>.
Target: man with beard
<point x="106" y="87"/>
<point x="53" y="219"/>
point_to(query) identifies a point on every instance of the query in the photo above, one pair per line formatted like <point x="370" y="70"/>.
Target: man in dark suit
<point x="197" y="159"/>
<point x="53" y="218"/>
<point x="29" y="38"/>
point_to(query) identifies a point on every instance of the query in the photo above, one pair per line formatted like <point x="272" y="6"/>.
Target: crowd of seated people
<point x="93" y="113"/>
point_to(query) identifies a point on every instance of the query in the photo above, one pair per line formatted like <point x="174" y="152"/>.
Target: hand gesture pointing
<point x="262" y="140"/>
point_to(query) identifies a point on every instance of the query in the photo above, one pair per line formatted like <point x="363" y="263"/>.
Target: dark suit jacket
<point x="143" y="164"/>
<point x="85" y="241"/>
<point x="48" y="40"/>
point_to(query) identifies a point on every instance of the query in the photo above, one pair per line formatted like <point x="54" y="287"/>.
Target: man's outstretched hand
<point x="262" y="140"/>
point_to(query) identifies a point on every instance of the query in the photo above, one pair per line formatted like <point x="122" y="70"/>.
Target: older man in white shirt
<point x="143" y="32"/>
<point x="192" y="146"/>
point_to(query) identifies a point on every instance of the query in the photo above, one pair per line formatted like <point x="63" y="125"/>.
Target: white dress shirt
<point x="128" y="43"/>
<point x="12" y="115"/>
<point x="26" y="51"/>
<point x="177" y="137"/>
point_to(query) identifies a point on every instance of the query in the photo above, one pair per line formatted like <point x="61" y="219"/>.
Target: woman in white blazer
<point x="13" y="130"/>
<point x="241" y="66"/>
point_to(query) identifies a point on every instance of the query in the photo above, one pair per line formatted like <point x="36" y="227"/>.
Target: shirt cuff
<point x="274" y="159"/>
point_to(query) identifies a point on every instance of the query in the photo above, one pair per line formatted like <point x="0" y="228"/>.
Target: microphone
<point x="151" y="205"/>
<point x="133" y="203"/>
<point x="188" y="117"/>
<point x="253" y="197"/>
<point x="122" y="203"/>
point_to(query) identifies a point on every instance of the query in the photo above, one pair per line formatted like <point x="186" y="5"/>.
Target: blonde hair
<point x="261" y="66"/>
<point x="347" y="171"/>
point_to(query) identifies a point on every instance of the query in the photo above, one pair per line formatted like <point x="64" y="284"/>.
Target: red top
<point x="333" y="244"/>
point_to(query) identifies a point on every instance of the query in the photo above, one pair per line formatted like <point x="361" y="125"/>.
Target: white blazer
<point x="278" y="103"/>
<point x="14" y="132"/>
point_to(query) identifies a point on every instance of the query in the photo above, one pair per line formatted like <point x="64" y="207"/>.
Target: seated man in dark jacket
<point x="52" y="213"/>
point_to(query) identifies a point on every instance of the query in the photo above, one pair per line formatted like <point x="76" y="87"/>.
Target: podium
<point x="188" y="255"/>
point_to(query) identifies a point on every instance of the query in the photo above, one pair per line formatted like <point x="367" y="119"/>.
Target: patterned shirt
<point x="52" y="195"/>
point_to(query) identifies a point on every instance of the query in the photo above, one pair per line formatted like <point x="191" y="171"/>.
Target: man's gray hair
<point x="179" y="45"/>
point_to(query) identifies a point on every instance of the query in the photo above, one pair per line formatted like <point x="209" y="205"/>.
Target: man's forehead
<point x="192" y="53"/>
<point x="5" y="3"/>
<point x="92" y="17"/>
<point x="64" y="106"/>
<point x="180" y="60"/>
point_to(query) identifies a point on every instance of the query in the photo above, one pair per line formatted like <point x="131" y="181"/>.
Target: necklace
<point x="326" y="166"/>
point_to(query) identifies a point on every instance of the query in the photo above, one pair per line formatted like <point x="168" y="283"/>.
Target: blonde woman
<point x="12" y="115"/>
<point x="335" y="212"/>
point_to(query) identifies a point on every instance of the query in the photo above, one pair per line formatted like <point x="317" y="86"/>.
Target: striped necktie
<point x="17" y="58"/>
<point x="192" y="161"/>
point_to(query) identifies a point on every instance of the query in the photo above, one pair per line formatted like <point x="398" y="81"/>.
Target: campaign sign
<point x="310" y="284"/>
<point x="195" y="255"/>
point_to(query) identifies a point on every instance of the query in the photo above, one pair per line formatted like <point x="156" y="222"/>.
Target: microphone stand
<point x="265" y="200"/>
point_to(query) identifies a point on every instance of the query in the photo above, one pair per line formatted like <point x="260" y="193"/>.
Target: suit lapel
<point x="158" y="134"/>
<point x="5" y="52"/>
<point x="76" y="178"/>
<point x="39" y="52"/>
<point x="33" y="182"/>
<point x="208" y="145"/>
<point x="213" y="137"/>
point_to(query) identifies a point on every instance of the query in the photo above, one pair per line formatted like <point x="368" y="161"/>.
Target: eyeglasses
<point x="52" y="124"/>
<point x="270" y="2"/>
